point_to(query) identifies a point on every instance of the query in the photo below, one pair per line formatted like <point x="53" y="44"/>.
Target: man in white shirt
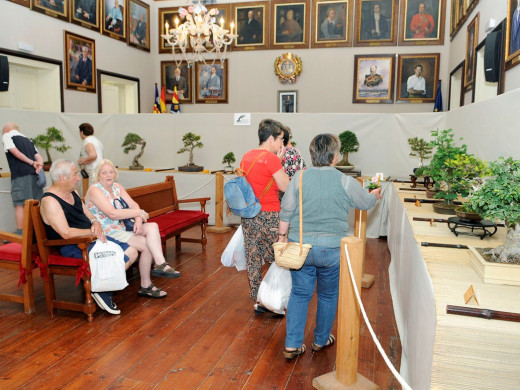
<point x="416" y="84"/>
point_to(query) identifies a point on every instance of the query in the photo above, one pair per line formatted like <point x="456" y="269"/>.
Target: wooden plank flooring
<point x="204" y="335"/>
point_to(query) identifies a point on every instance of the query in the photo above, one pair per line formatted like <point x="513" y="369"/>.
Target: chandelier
<point x="199" y="35"/>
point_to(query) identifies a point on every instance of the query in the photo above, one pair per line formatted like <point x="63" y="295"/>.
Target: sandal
<point x="151" y="292"/>
<point x="292" y="354"/>
<point x="329" y="342"/>
<point x="170" y="273"/>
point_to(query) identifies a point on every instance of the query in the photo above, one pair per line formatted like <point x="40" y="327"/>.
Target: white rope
<point x="374" y="337"/>
<point x="202" y="186"/>
<point x="5" y="192"/>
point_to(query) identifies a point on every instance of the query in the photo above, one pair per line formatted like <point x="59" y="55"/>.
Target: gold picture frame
<point x="420" y="24"/>
<point x="252" y="23"/>
<point x="407" y="68"/>
<point x="290" y="24"/>
<point x="138" y="25"/>
<point x="80" y="62"/>
<point x="111" y="23"/>
<point x="368" y="31"/>
<point x="168" y="80"/>
<point x="512" y="42"/>
<point x="55" y="8"/>
<point x="211" y="86"/>
<point x="332" y="23"/>
<point x="374" y="78"/>
<point x="471" y="44"/>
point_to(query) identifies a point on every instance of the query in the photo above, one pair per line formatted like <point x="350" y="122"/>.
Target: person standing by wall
<point x="92" y="152"/>
<point x="24" y="163"/>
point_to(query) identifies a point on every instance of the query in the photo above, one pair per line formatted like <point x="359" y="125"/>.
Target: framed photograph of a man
<point x="85" y="13"/>
<point x="471" y="44"/>
<point x="374" y="78"/>
<point x="80" y="62"/>
<point x="55" y="8"/>
<point x="417" y="77"/>
<point x="177" y="76"/>
<point x="332" y="23"/>
<point x="211" y="82"/>
<point x="513" y="33"/>
<point x="422" y="22"/>
<point x="252" y="22"/>
<point x="376" y="23"/>
<point x="290" y="24"/>
<point x="113" y="19"/>
<point x="288" y="101"/>
<point x="138" y="26"/>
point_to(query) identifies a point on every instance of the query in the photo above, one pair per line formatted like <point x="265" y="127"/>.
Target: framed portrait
<point x="80" y="62"/>
<point x="222" y="18"/>
<point x="422" y="22"/>
<point x="211" y="82"/>
<point x="113" y="19"/>
<point x="177" y="76"/>
<point x="417" y="77"/>
<point x="252" y="22"/>
<point x="138" y="25"/>
<point x="288" y="101"/>
<point x="25" y="3"/>
<point x="332" y="23"/>
<point x="85" y="13"/>
<point x="167" y="15"/>
<point x="512" y="51"/>
<point x="376" y="23"/>
<point x="290" y="24"/>
<point x="56" y="8"/>
<point x="471" y="44"/>
<point x="374" y="78"/>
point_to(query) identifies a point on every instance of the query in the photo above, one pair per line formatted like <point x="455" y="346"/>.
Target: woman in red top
<point x="267" y="177"/>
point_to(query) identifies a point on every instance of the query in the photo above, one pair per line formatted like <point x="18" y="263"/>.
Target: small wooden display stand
<point x="219" y="206"/>
<point x="346" y="375"/>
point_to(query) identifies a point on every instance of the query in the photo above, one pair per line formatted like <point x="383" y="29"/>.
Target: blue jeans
<point x="322" y="264"/>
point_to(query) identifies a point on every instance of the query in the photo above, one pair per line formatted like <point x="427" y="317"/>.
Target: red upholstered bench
<point x="161" y="203"/>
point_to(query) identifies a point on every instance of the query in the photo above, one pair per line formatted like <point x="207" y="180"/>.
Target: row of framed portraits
<point x="288" y="24"/>
<point x="124" y="20"/>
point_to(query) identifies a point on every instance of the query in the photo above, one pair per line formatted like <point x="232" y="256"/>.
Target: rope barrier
<point x="374" y="337"/>
<point x="198" y="189"/>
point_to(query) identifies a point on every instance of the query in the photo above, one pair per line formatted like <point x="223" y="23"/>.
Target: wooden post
<point x="360" y="231"/>
<point x="346" y="375"/>
<point x="219" y="206"/>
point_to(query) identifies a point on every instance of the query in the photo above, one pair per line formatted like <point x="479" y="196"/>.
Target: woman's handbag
<point x="107" y="264"/>
<point x="292" y="254"/>
<point x="129" y="222"/>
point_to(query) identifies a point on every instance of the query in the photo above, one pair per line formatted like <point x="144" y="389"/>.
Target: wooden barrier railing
<point x="346" y="375"/>
<point x="219" y="206"/>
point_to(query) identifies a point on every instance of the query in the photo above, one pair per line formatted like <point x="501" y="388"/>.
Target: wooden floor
<point x="203" y="335"/>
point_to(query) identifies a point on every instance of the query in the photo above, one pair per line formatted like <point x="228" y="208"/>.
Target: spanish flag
<point x="163" y="101"/>
<point x="157" y="103"/>
<point x="175" y="107"/>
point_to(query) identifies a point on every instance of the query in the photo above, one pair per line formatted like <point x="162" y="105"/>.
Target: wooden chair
<point x="55" y="264"/>
<point x="20" y="255"/>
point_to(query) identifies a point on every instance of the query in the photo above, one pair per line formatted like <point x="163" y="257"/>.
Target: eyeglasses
<point x="280" y="137"/>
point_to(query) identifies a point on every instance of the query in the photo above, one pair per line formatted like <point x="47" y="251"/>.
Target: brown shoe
<point x="292" y="354"/>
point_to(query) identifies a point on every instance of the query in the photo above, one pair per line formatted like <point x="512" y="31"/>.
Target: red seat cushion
<point x="11" y="252"/>
<point x="83" y="268"/>
<point x="178" y="219"/>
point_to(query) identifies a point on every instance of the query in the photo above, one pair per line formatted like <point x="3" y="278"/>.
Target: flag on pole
<point x="175" y="107"/>
<point x="438" y="99"/>
<point x="163" y="101"/>
<point x="157" y="103"/>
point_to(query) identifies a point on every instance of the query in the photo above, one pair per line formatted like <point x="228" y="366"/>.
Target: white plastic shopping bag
<point x="107" y="264"/>
<point x="235" y="252"/>
<point x="275" y="289"/>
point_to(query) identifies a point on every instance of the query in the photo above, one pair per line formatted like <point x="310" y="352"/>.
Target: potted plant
<point x="349" y="144"/>
<point x="130" y="143"/>
<point x="229" y="159"/>
<point x="374" y="183"/>
<point x="191" y="141"/>
<point x="47" y="141"/>
<point x="420" y="148"/>
<point x="498" y="198"/>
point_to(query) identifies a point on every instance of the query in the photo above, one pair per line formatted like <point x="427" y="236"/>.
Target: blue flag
<point x="157" y="103"/>
<point x="438" y="99"/>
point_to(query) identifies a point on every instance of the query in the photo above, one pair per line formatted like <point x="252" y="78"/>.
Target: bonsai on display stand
<point x="130" y="143"/>
<point x="46" y="142"/>
<point x="191" y="141"/>
<point x="420" y="148"/>
<point x="229" y="159"/>
<point x="349" y="144"/>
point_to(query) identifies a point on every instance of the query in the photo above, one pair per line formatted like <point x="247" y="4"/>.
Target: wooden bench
<point x="160" y="201"/>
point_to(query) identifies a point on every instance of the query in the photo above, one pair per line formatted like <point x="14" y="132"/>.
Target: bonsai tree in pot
<point x="349" y="144"/>
<point x="130" y="143"/>
<point x="191" y="141"/>
<point x="229" y="159"/>
<point x="47" y="141"/>
<point x="498" y="198"/>
<point x="421" y="149"/>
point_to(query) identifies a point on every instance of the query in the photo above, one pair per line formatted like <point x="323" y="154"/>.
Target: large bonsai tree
<point x="130" y="143"/>
<point x="46" y="141"/>
<point x="191" y="141"/>
<point x="349" y="144"/>
<point x="498" y="198"/>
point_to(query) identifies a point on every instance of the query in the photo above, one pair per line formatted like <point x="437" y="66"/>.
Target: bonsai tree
<point x="498" y="198"/>
<point x="130" y="143"/>
<point x="349" y="144"/>
<point x="46" y="141"/>
<point x="191" y="141"/>
<point x="229" y="159"/>
<point x="420" y="148"/>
